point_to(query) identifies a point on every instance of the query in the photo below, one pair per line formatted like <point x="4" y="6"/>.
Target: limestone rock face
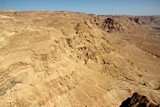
<point x="66" y="59"/>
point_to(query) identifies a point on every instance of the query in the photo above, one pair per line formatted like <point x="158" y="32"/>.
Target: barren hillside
<point x="66" y="59"/>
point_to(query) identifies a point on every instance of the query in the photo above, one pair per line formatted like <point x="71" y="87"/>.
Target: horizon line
<point x="79" y="12"/>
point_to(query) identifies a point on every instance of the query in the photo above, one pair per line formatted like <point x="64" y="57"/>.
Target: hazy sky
<point x="125" y="7"/>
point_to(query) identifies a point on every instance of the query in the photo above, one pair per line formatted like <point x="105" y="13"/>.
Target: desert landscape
<point x="73" y="59"/>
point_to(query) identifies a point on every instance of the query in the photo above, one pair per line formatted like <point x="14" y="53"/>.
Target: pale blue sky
<point x="111" y="7"/>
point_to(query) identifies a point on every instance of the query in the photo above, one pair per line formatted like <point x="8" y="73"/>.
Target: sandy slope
<point x="64" y="59"/>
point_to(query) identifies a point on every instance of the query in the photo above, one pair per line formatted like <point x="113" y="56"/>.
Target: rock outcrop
<point x="110" y="25"/>
<point x="138" y="100"/>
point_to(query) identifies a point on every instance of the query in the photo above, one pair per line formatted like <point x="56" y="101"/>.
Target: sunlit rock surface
<point x="66" y="59"/>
